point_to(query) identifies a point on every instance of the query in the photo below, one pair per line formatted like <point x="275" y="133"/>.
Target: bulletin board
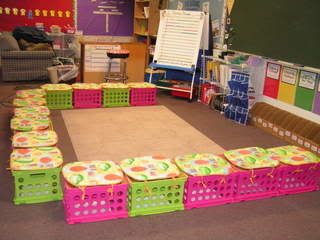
<point x="28" y="12"/>
<point x="105" y="17"/>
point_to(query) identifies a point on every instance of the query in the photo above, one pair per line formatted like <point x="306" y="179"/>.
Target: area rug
<point x="124" y="132"/>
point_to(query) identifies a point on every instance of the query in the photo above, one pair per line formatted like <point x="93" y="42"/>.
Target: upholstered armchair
<point x="20" y="65"/>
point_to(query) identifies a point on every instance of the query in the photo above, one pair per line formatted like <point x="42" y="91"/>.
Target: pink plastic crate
<point x="95" y="203"/>
<point x="209" y="190"/>
<point x="143" y="96"/>
<point x="83" y="98"/>
<point x="257" y="184"/>
<point x="298" y="179"/>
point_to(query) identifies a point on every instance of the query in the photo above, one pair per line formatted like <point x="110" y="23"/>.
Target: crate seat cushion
<point x="141" y="85"/>
<point x="149" y="168"/>
<point x="92" y="173"/>
<point x="252" y="158"/>
<point x="30" y="93"/>
<point x="25" y="102"/>
<point x="44" y="138"/>
<point x="31" y="112"/>
<point x="293" y="155"/>
<point x="86" y="86"/>
<point x="30" y="124"/>
<point x="56" y="87"/>
<point x="35" y="158"/>
<point x="113" y="85"/>
<point x="203" y="164"/>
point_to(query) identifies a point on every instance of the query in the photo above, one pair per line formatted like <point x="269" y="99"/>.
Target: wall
<point x="28" y="12"/>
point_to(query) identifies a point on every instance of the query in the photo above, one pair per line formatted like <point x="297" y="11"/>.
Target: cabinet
<point x="64" y="45"/>
<point x="146" y="23"/>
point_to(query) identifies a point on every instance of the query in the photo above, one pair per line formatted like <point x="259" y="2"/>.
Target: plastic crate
<point x="36" y="186"/>
<point x="298" y="179"/>
<point x="116" y="97"/>
<point x="257" y="184"/>
<point x="143" y="96"/>
<point x="209" y="190"/>
<point x="158" y="196"/>
<point x="61" y="99"/>
<point x="95" y="203"/>
<point x="87" y="98"/>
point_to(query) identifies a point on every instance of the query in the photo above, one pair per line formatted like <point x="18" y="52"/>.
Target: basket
<point x="298" y="179"/>
<point x="143" y="96"/>
<point x="158" y="196"/>
<point x="257" y="184"/>
<point x="212" y="190"/>
<point x="59" y="99"/>
<point x="116" y="97"/>
<point x="87" y="98"/>
<point x="36" y="186"/>
<point x="96" y="203"/>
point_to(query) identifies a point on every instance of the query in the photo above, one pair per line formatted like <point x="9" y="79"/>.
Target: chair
<point x="18" y="65"/>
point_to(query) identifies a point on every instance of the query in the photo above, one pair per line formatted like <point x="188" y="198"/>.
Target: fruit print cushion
<point x="56" y="87"/>
<point x="44" y="138"/>
<point x="86" y="86"/>
<point x="92" y="173"/>
<point x="113" y="85"/>
<point x="30" y="93"/>
<point x="35" y="158"/>
<point x="30" y="124"/>
<point x="293" y="155"/>
<point x="251" y="158"/>
<point x="203" y="164"/>
<point x="149" y="168"/>
<point x="31" y="112"/>
<point x="26" y="102"/>
<point x="141" y="85"/>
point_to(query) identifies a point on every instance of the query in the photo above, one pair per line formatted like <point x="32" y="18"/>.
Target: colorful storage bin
<point x="30" y="93"/>
<point x="58" y="96"/>
<point x="26" y="102"/>
<point x="30" y="124"/>
<point x="153" y="196"/>
<point x="261" y="178"/>
<point x="87" y="95"/>
<point x="44" y="138"/>
<point x="115" y="94"/>
<point x="300" y="171"/>
<point x="96" y="203"/>
<point x="31" y="112"/>
<point x="36" y="174"/>
<point x="142" y="94"/>
<point x="94" y="191"/>
<point x="210" y="181"/>
<point x="36" y="186"/>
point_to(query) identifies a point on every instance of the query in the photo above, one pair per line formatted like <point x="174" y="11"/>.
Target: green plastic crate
<point x="36" y="186"/>
<point x="158" y="196"/>
<point x="61" y="99"/>
<point x="116" y="97"/>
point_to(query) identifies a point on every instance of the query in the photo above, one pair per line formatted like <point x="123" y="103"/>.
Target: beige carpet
<point x="118" y="133"/>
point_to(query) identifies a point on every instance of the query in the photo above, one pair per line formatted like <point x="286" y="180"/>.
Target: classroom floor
<point x="286" y="217"/>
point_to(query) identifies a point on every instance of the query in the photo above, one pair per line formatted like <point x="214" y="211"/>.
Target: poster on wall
<point x="307" y="79"/>
<point x="105" y="17"/>
<point x="289" y="75"/>
<point x="29" y="12"/>
<point x="273" y="71"/>
<point x="271" y="81"/>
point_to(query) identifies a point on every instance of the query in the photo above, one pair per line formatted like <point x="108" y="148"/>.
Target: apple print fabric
<point x="30" y="124"/>
<point x="293" y="155"/>
<point x="86" y="86"/>
<point x="141" y="85"/>
<point x="56" y="87"/>
<point x="31" y="112"/>
<point x="203" y="164"/>
<point x="45" y="138"/>
<point x="92" y="173"/>
<point x="251" y="158"/>
<point x="30" y="93"/>
<point x="26" y="102"/>
<point x="149" y="168"/>
<point x="35" y="158"/>
<point x="113" y="85"/>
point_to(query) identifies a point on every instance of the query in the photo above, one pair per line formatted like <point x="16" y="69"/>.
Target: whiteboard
<point x="178" y="39"/>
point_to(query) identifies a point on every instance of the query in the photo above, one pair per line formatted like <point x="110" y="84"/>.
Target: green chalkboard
<point x="286" y="30"/>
